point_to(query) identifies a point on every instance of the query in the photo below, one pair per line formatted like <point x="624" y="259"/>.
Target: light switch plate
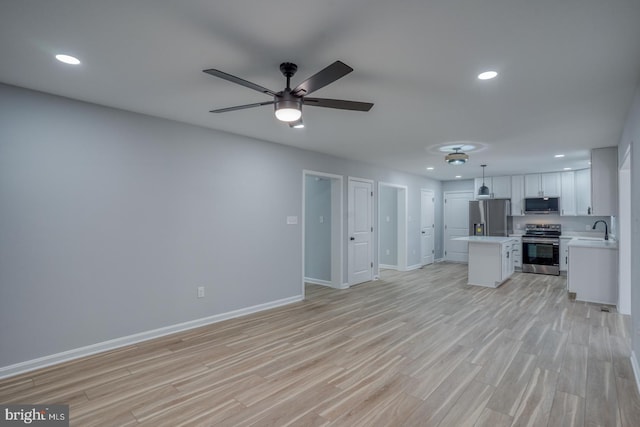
<point x="292" y="220"/>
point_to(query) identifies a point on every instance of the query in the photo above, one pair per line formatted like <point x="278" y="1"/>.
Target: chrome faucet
<point x="606" y="228"/>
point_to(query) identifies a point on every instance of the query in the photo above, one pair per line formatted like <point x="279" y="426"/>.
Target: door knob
<point x="424" y="232"/>
<point x="352" y="238"/>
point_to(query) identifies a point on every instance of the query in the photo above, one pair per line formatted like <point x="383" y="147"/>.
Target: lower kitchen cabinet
<point x="593" y="271"/>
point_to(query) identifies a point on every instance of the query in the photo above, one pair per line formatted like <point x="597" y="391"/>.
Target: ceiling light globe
<point x="288" y="114"/>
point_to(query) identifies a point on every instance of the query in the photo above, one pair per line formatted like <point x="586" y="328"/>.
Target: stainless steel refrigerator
<point x="490" y="217"/>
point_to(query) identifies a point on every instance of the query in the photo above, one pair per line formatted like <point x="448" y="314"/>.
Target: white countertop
<point x="592" y="243"/>
<point x="496" y="240"/>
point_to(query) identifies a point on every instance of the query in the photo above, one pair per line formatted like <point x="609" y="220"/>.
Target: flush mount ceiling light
<point x="456" y="158"/>
<point x="488" y="75"/>
<point x="68" y="59"/>
<point x="558" y="156"/>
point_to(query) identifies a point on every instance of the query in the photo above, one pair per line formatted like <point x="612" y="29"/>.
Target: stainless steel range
<point x="541" y="249"/>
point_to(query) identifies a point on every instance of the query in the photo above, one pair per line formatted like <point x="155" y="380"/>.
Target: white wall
<point x="388" y="211"/>
<point x="109" y="220"/>
<point x="631" y="138"/>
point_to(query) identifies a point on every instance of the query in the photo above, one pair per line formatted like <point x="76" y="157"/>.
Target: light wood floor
<point x="414" y="349"/>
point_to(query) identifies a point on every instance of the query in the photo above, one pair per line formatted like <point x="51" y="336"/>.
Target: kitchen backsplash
<point x="576" y="224"/>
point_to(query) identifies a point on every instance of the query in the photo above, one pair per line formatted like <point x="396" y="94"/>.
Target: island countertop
<point x="496" y="240"/>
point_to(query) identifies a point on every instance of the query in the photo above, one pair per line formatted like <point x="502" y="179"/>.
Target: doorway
<point x="623" y="235"/>
<point x="392" y="226"/>
<point x="427" y="226"/>
<point x="360" y="230"/>
<point x="456" y="224"/>
<point x="322" y="229"/>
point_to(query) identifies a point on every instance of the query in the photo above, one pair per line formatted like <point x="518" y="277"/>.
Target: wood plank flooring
<point x="420" y="348"/>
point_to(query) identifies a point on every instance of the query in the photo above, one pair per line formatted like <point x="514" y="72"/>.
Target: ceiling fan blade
<point x="322" y="78"/>
<point x="238" y="80"/>
<point x="242" y="107"/>
<point x="340" y="104"/>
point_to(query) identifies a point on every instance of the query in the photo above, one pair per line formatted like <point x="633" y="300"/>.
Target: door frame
<point x="433" y="198"/>
<point x="623" y="233"/>
<point x="373" y="233"/>
<point x="337" y="226"/>
<point x="402" y="228"/>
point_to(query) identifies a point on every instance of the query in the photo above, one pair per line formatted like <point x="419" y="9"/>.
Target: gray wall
<point x="317" y="228"/>
<point x="631" y="138"/>
<point x="109" y="220"/>
<point x="458" y="185"/>
<point x="388" y="211"/>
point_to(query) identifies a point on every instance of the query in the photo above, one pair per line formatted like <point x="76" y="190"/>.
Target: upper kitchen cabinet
<point x="583" y="192"/>
<point x="604" y="181"/>
<point x="499" y="186"/>
<point x="542" y="185"/>
<point x="517" y="195"/>
<point x="568" y="194"/>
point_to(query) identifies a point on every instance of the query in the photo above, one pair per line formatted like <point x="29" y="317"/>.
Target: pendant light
<point x="483" y="191"/>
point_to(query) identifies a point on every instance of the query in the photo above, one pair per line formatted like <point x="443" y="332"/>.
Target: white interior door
<point x="456" y="224"/>
<point x="360" y="228"/>
<point x="427" y="226"/>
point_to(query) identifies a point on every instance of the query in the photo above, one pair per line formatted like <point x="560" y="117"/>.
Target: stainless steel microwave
<point x="541" y="205"/>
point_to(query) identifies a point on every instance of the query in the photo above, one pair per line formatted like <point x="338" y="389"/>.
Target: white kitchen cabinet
<point x="490" y="260"/>
<point x="593" y="271"/>
<point x="583" y="192"/>
<point x="567" y="194"/>
<point x="604" y="181"/>
<point x="499" y="187"/>
<point x="516" y="253"/>
<point x="564" y="253"/>
<point x="542" y="185"/>
<point x="517" y="195"/>
<point x="507" y="261"/>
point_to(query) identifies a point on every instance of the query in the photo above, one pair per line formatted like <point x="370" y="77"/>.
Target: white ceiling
<point x="568" y="70"/>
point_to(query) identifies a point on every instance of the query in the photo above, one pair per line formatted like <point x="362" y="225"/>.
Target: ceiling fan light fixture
<point x="288" y="114"/>
<point x="288" y="107"/>
<point x="457" y="158"/>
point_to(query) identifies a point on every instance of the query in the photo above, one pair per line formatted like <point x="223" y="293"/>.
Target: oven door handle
<point x="536" y="240"/>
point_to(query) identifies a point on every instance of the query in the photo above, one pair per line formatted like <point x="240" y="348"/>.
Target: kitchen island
<point x="490" y="259"/>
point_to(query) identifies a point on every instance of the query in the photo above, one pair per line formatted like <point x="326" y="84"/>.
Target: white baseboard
<point x="439" y="260"/>
<point x="636" y="369"/>
<point x="413" y="267"/>
<point x="388" y="266"/>
<point x="344" y="286"/>
<point x="53" y="359"/>
<point x="318" y="282"/>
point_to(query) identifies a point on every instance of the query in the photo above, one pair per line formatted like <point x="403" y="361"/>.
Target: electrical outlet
<point x="200" y="291"/>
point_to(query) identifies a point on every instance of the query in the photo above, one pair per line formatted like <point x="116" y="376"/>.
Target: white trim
<point x="414" y="267"/>
<point x="438" y="260"/>
<point x="387" y="267"/>
<point x="318" y="282"/>
<point x="76" y="353"/>
<point x="337" y="269"/>
<point x="402" y="226"/>
<point x="636" y="369"/>
<point x="344" y="286"/>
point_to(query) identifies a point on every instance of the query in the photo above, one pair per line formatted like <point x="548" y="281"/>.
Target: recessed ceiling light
<point x="557" y="156"/>
<point x="68" y="59"/>
<point x="487" y="75"/>
<point x="430" y="168"/>
<point x="567" y="169"/>
<point x="458" y="176"/>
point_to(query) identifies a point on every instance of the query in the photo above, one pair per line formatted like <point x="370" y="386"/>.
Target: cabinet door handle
<point x="589" y="210"/>
<point x="566" y="260"/>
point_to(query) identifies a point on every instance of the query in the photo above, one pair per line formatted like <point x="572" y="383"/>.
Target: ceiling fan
<point x="288" y="102"/>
